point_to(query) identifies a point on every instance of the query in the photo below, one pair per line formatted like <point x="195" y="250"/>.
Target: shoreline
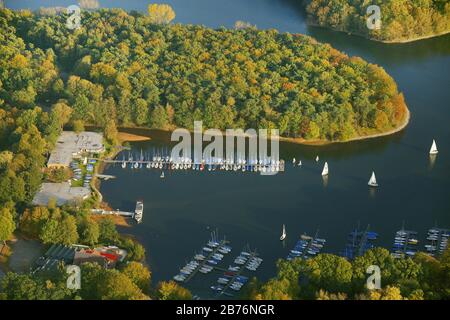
<point x="400" y="128"/>
<point x="302" y="141"/>
<point x="396" y="41"/>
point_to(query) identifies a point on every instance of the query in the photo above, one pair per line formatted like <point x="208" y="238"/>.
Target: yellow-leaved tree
<point x="161" y="13"/>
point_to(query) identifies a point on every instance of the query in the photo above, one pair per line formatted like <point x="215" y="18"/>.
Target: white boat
<point x="124" y="165"/>
<point x="139" y="211"/>
<point x="373" y="180"/>
<point x="317" y="159"/>
<point x="434" y="149"/>
<point x="293" y="161"/>
<point x="325" y="169"/>
<point x="162" y="175"/>
<point x="179" y="278"/>
<point x="283" y="234"/>
<point x="299" y="163"/>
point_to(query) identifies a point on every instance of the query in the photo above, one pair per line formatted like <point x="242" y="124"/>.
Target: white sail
<point x="293" y="161"/>
<point x="373" y="180"/>
<point x="283" y="234"/>
<point x="162" y="175"/>
<point x="325" y="169"/>
<point x="434" y="149"/>
<point x="317" y="159"/>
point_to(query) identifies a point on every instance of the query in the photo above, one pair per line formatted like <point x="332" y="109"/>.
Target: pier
<point x="405" y="243"/>
<point x="105" y="176"/>
<point x="237" y="274"/>
<point x="437" y="241"/>
<point x="205" y="261"/>
<point x="307" y="247"/>
<point x="116" y="213"/>
<point x="204" y="165"/>
<point x="359" y="242"/>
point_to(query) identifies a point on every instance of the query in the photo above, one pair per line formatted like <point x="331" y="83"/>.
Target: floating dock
<point x="235" y="278"/>
<point x="437" y="241"/>
<point x="359" y="242"/>
<point x="205" y="262"/>
<point x="405" y="243"/>
<point x="167" y="163"/>
<point x="307" y="247"/>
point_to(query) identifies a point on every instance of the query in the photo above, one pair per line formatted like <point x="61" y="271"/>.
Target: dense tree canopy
<point x="329" y="277"/>
<point x="123" y="69"/>
<point x="400" y="19"/>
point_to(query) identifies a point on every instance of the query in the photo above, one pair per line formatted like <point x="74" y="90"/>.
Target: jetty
<point x="213" y="164"/>
<point x="204" y="262"/>
<point x="359" y="242"/>
<point x="437" y="241"/>
<point x="307" y="247"/>
<point x="104" y="176"/>
<point x="235" y="278"/>
<point x="405" y="243"/>
<point x="113" y="212"/>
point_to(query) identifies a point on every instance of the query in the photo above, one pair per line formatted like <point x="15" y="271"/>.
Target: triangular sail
<point x="434" y="149"/>
<point x="325" y="169"/>
<point x="373" y="180"/>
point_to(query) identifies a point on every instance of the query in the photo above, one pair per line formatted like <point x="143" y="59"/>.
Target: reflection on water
<point x="325" y="181"/>
<point x="432" y="161"/>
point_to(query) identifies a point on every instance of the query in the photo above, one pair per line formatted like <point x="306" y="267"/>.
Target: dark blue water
<point x="182" y="209"/>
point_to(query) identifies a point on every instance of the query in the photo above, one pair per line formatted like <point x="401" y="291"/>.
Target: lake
<point x="182" y="209"/>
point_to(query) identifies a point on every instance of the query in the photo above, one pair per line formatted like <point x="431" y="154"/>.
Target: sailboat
<point x="162" y="175"/>
<point x="325" y="169"/>
<point x="283" y="234"/>
<point x="373" y="180"/>
<point x="434" y="149"/>
<point x="317" y="159"/>
<point x="293" y="161"/>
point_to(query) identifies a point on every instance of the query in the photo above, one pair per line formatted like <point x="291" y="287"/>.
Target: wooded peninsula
<point x="121" y="67"/>
<point x="401" y="20"/>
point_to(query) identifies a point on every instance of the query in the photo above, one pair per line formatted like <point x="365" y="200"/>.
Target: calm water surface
<point x="181" y="210"/>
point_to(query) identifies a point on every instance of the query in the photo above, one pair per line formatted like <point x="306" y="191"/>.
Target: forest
<point x="330" y="277"/>
<point x="125" y="67"/>
<point x="401" y="20"/>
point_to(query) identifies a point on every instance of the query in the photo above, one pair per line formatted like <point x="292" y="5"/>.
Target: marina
<point x="405" y="243"/>
<point x="359" y="241"/>
<point x="306" y="247"/>
<point x="437" y="239"/>
<point x="161" y="160"/>
<point x="204" y="262"/>
<point x="233" y="278"/>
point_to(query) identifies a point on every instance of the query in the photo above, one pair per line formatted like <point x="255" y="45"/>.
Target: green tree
<point x="108" y="231"/>
<point x="7" y="224"/>
<point x="139" y="274"/>
<point x="111" y="132"/>
<point x="170" y="290"/>
<point x="78" y="126"/>
<point x="161" y="13"/>
<point x="89" y="231"/>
